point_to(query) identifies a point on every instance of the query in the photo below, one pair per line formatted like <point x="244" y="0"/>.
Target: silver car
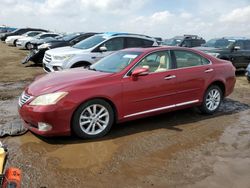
<point x="25" y="43"/>
<point x="92" y="49"/>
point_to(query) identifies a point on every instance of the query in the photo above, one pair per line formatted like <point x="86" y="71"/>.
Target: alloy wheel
<point x="94" y="119"/>
<point x="213" y="99"/>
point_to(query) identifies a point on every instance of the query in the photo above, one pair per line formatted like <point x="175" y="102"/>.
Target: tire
<point x="14" y="42"/>
<point x="27" y="46"/>
<point x="87" y="125"/>
<point x="211" y="100"/>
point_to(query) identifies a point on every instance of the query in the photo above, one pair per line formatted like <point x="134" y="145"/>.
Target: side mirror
<point x="139" y="71"/>
<point x="237" y="48"/>
<point x="103" y="49"/>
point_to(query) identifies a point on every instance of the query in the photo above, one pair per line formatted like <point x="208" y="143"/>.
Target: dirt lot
<point x="178" y="149"/>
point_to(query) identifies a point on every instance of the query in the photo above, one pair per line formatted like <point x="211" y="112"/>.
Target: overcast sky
<point x="164" y="18"/>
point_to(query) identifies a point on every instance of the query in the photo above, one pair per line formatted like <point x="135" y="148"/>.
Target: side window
<point x="187" y="43"/>
<point x="240" y="43"/>
<point x="156" y="62"/>
<point x="33" y="34"/>
<point x="247" y="45"/>
<point x="189" y="59"/>
<point x="114" y="44"/>
<point x="147" y="43"/>
<point x="134" y="42"/>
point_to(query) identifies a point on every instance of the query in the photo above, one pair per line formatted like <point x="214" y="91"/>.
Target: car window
<point x="147" y="43"/>
<point x="187" y="43"/>
<point x="115" y="62"/>
<point x="114" y="44"/>
<point x="33" y="34"/>
<point x="134" y="42"/>
<point x="240" y="43"/>
<point x="156" y="62"/>
<point x="189" y="59"/>
<point x="90" y="42"/>
<point x="247" y="45"/>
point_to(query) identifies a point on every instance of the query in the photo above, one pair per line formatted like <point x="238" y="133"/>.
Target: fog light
<point x="44" y="126"/>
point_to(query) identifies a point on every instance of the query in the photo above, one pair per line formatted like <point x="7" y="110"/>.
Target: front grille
<point x="24" y="98"/>
<point x="47" y="58"/>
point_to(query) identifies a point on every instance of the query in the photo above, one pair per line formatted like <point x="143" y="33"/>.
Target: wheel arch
<point x="111" y="103"/>
<point x="220" y="84"/>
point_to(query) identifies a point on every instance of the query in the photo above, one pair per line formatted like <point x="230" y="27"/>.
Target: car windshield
<point x="115" y="62"/>
<point x="90" y="42"/>
<point x="38" y="36"/>
<point x="219" y="43"/>
<point x="69" y="36"/>
<point x="172" y="42"/>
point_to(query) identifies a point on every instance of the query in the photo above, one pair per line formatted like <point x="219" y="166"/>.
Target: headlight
<point x="43" y="46"/>
<point x="48" y="99"/>
<point x="63" y="58"/>
<point x="213" y="54"/>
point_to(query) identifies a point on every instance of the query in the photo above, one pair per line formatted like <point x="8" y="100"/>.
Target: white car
<point x="11" y="40"/>
<point x="92" y="49"/>
<point x="24" y="43"/>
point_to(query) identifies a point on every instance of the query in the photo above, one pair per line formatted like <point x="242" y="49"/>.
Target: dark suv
<point x="20" y="32"/>
<point x="236" y="50"/>
<point x="185" y="41"/>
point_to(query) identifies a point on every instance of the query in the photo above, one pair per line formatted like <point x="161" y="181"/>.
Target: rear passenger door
<point x="192" y="74"/>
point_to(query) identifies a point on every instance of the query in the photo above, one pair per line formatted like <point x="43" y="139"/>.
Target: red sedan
<point x="129" y="84"/>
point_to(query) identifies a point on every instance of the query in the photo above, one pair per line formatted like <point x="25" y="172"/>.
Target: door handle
<point x="93" y="57"/>
<point x="170" y="77"/>
<point x="209" y="70"/>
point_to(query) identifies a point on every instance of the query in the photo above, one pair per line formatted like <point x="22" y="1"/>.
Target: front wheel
<point x="93" y="119"/>
<point x="28" y="46"/>
<point x="211" y="100"/>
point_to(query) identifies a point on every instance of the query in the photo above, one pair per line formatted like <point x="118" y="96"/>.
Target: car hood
<point x="35" y="41"/>
<point x="61" y="80"/>
<point x="26" y="38"/>
<point x="15" y="37"/>
<point x="65" y="50"/>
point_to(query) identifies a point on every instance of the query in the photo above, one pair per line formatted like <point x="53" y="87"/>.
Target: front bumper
<point x="20" y="45"/>
<point x="9" y="42"/>
<point x="49" y="67"/>
<point x="57" y="116"/>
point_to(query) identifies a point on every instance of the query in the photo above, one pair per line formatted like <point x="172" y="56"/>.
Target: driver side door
<point x="153" y="92"/>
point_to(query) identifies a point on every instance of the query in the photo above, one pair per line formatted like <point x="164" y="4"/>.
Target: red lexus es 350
<point x="129" y="84"/>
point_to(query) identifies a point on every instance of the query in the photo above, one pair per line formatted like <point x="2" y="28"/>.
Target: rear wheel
<point x="93" y="119"/>
<point x="211" y="100"/>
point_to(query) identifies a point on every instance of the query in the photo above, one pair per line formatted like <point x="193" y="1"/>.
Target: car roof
<point x="158" y="48"/>
<point x="113" y="34"/>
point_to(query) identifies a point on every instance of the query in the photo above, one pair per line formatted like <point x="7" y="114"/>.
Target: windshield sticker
<point x="130" y="56"/>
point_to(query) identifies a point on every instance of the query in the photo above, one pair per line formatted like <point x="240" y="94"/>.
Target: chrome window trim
<point x="210" y="62"/>
<point x="126" y="75"/>
<point x="162" y="108"/>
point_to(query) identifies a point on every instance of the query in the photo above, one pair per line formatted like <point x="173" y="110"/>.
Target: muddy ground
<point x="178" y="149"/>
